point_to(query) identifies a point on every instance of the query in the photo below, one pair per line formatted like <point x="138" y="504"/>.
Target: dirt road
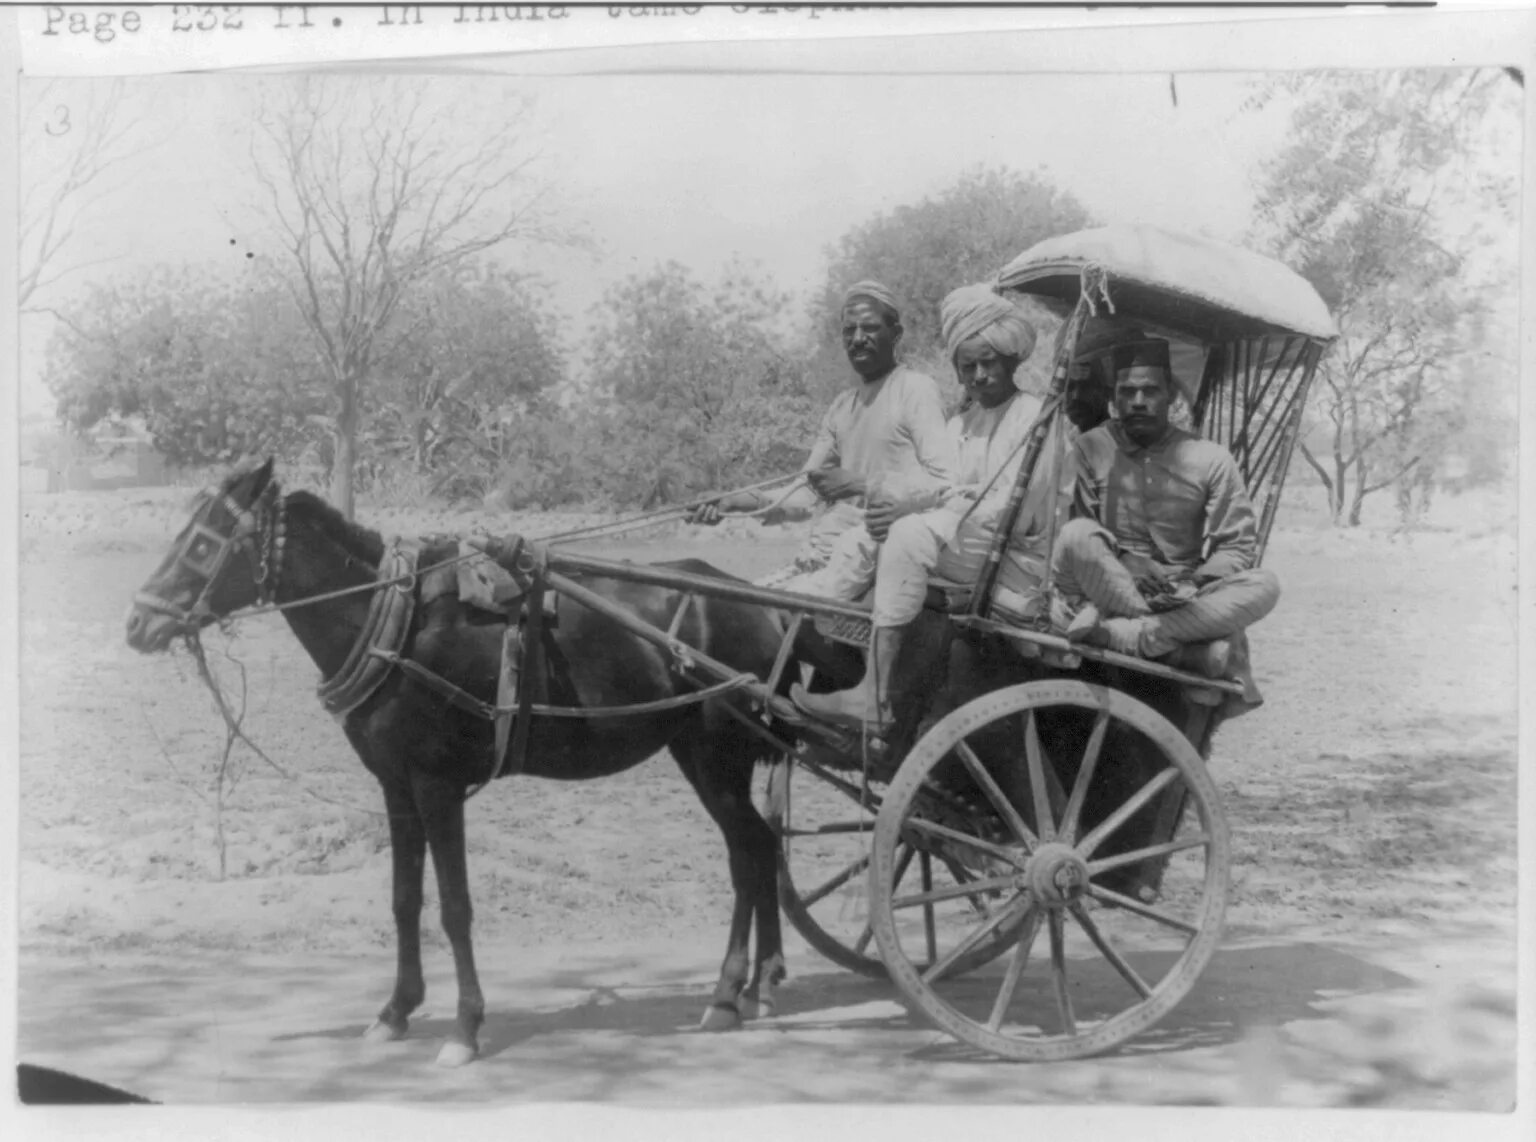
<point x="1369" y="957"/>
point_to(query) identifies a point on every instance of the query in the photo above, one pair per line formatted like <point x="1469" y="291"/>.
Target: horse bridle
<point x="206" y="553"/>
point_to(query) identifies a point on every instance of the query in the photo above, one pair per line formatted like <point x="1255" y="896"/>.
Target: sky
<point x="700" y="168"/>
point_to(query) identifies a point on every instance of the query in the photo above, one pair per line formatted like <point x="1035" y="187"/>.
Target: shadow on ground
<point x="619" y="1026"/>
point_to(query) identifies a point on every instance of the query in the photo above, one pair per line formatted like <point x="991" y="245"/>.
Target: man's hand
<point x="881" y="514"/>
<point x="1148" y="575"/>
<point x="834" y="484"/>
<point x="713" y="512"/>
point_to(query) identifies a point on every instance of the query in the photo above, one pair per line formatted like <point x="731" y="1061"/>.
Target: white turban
<point x="978" y="311"/>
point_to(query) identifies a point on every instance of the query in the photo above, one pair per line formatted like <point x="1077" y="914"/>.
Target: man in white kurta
<point x="886" y="432"/>
<point x="988" y="339"/>
<point x="890" y="433"/>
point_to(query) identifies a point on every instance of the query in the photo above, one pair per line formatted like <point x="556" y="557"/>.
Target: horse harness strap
<point x="457" y="696"/>
<point x="383" y="635"/>
<point x="519" y="679"/>
<point x="379" y="646"/>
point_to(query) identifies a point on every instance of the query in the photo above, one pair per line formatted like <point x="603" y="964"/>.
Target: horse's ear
<point x="259" y="473"/>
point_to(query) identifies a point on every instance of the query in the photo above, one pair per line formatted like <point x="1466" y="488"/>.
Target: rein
<point x="249" y="525"/>
<point x="259" y="532"/>
<point x="631" y="522"/>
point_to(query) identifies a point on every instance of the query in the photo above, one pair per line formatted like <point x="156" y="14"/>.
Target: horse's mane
<point x="356" y="540"/>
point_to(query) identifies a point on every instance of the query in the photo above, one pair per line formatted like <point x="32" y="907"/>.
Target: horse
<point x="248" y="543"/>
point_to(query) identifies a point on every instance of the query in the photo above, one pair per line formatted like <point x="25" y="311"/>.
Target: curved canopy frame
<point x="1248" y="333"/>
<point x="1204" y="289"/>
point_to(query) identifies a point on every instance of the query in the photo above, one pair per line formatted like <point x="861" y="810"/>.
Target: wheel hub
<point x="1056" y="875"/>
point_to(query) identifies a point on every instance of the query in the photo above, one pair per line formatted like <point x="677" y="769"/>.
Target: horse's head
<point x="225" y="558"/>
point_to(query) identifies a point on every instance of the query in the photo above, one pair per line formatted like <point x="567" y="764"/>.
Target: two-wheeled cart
<point x="1041" y="861"/>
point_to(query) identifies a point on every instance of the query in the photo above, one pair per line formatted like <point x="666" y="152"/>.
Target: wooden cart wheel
<point x="825" y="835"/>
<point x="1110" y="965"/>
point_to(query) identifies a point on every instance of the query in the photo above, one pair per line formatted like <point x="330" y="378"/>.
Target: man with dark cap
<point x="1160" y="552"/>
<point x="1091" y="377"/>
<point x="884" y="438"/>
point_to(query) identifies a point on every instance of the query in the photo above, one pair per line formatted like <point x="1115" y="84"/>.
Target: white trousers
<point x="940" y="545"/>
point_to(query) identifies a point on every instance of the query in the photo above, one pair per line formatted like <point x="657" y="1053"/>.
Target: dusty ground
<point x="1369" y="960"/>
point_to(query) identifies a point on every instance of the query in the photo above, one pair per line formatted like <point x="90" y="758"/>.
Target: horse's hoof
<point x="456" y="1055"/>
<point x="718" y="1018"/>
<point x="381" y="1032"/>
<point x="760" y="1008"/>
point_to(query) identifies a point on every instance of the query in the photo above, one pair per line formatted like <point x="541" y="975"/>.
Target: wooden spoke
<point x="1059" y="970"/>
<point x="1015" y="968"/>
<point x="1069" y="817"/>
<point x="847" y="788"/>
<point x="1013" y="911"/>
<point x="996" y="795"/>
<point x="961" y="874"/>
<point x="974" y="884"/>
<point x="833" y="830"/>
<point x="1058" y="797"/>
<point x="933" y="828"/>
<point x="1034" y="755"/>
<point x="1135" y="856"/>
<point x="925" y="864"/>
<point x="1109" y="951"/>
<point x="1110" y="897"/>
<point x="973" y="889"/>
<point x="1123" y="814"/>
<point x="865" y="937"/>
<point x="822" y="891"/>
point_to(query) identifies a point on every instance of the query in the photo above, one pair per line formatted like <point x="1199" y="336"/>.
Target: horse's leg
<point x="441" y="804"/>
<point x="408" y="847"/>
<point x="769" y="970"/>
<point x="724" y="786"/>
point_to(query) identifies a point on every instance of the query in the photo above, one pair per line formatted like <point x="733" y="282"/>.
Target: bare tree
<point x="371" y="189"/>
<point x="78" y="142"/>
<point x="1393" y="195"/>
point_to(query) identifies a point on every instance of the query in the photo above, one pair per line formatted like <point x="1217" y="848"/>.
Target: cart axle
<point x="1056" y="875"/>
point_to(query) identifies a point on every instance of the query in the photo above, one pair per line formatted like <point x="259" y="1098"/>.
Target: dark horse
<point x="248" y="542"/>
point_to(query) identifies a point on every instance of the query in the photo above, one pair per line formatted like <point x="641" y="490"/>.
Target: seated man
<point x="1132" y="569"/>
<point x="1091" y="376"/>
<point x="887" y="431"/>
<point x="997" y="415"/>
<point x="988" y="338"/>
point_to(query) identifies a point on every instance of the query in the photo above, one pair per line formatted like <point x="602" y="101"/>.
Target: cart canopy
<point x="1208" y="291"/>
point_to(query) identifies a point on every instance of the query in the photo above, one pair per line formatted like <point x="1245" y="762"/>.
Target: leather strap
<point x="386" y="628"/>
<point x="455" y="695"/>
<point x="530" y="672"/>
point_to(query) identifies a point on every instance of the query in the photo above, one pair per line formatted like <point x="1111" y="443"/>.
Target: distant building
<point x="59" y="463"/>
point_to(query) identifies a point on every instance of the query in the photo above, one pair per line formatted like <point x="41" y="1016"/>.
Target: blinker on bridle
<point x="206" y="552"/>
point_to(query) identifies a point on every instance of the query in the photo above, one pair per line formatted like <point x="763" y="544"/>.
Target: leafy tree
<point x="477" y="346"/>
<point x="695" y="388"/>
<point x="214" y="366"/>
<point x="965" y="233"/>
<point x="371" y="194"/>
<point x="1390" y="195"/>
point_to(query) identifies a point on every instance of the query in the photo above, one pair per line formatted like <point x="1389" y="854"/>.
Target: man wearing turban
<point x="947" y="533"/>
<point x="1160" y="552"/>
<point x="884" y="435"/>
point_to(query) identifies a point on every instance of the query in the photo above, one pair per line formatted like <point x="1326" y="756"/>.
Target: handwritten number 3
<point x="61" y="124"/>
